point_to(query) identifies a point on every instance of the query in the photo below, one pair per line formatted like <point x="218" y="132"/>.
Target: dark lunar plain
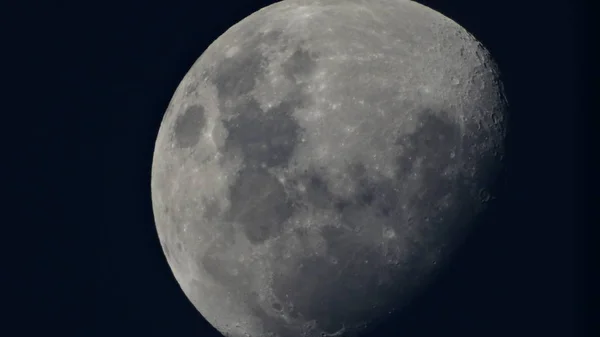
<point x="316" y="198"/>
<point x="516" y="275"/>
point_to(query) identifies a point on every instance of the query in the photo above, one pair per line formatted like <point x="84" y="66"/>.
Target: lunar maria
<point x="321" y="160"/>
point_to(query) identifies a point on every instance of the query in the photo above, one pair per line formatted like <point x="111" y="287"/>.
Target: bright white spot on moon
<point x="301" y="187"/>
<point x="232" y="51"/>
<point x="281" y="179"/>
<point x="389" y="233"/>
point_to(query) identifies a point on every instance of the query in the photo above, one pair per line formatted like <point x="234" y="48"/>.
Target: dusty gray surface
<point x="320" y="159"/>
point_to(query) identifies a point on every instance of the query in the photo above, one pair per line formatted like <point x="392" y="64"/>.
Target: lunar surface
<point x="320" y="160"/>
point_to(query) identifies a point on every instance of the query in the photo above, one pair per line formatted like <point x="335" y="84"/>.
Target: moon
<point x="321" y="160"/>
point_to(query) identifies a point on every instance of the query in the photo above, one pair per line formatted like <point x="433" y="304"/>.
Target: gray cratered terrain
<point x="320" y="160"/>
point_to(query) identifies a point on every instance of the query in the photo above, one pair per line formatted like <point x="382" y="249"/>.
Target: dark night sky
<point x="120" y="64"/>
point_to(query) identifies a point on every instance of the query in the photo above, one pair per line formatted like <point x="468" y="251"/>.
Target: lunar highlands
<point x="321" y="160"/>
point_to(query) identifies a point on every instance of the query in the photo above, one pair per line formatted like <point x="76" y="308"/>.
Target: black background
<point x="106" y="75"/>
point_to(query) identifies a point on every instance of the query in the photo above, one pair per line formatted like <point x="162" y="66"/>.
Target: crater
<point x="189" y="125"/>
<point x="276" y="306"/>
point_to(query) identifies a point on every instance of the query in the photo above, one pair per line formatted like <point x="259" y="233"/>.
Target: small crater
<point x="189" y="125"/>
<point x="389" y="233"/>
<point x="484" y="195"/>
<point x="495" y="118"/>
<point x="277" y="306"/>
